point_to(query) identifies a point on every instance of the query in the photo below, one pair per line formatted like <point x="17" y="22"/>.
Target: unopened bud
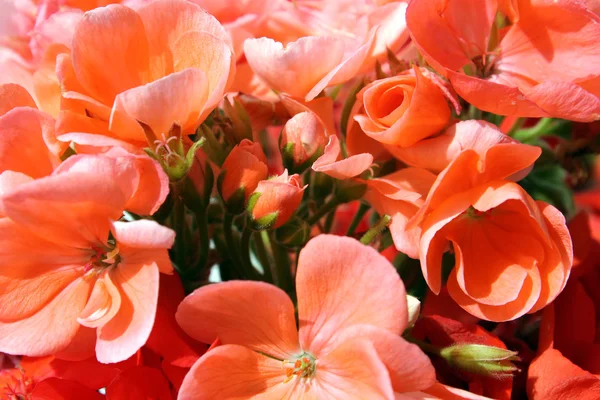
<point x="242" y="170"/>
<point x="302" y="141"/>
<point x="275" y="201"/>
<point x="240" y="127"/>
<point x="295" y="233"/>
<point x="481" y="359"/>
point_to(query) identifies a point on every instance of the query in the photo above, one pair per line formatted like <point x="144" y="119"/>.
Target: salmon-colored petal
<point x="123" y="171"/>
<point x="61" y="389"/>
<point x="13" y="96"/>
<point x="20" y="260"/>
<point x="552" y="376"/>
<point x="24" y="296"/>
<point x="210" y="55"/>
<point x="426" y="111"/>
<point x="73" y="209"/>
<point x="228" y="311"/>
<point x="103" y="304"/>
<point x="23" y="147"/>
<point x="234" y="372"/>
<point x="153" y="185"/>
<point x="353" y="370"/>
<point x="165" y="22"/>
<point x="110" y="51"/>
<point x="439" y="391"/>
<point x="129" y="329"/>
<point x="528" y="295"/>
<point x="409" y="184"/>
<point x="556" y="267"/>
<point x="433" y="245"/>
<point x="434" y="38"/>
<point x="296" y="68"/>
<point x="334" y="292"/>
<point x="565" y="100"/>
<point x="343" y="169"/>
<point x="175" y="99"/>
<point x="494" y="97"/>
<point x="140" y="382"/>
<point x="32" y="337"/>
<point x="538" y="48"/>
<point x="394" y="351"/>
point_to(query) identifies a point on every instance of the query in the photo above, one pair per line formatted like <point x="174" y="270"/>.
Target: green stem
<point x="329" y="221"/>
<point x="245" y="254"/>
<point x="376" y="229"/>
<point x="202" y="222"/>
<point x="543" y="127"/>
<point x="360" y="213"/>
<point x="283" y="277"/>
<point x="231" y="244"/>
<point x="263" y="256"/>
<point x="178" y="222"/>
<point x="426" y="347"/>
<point x="325" y="208"/>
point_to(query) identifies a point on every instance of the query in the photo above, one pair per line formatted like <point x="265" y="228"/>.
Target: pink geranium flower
<point x="347" y="344"/>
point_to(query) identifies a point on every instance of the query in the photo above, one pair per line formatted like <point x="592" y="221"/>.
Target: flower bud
<point x="481" y="359"/>
<point x="293" y="234"/>
<point x="242" y="170"/>
<point x="274" y="201"/>
<point x="198" y="188"/>
<point x="302" y="141"/>
<point x="414" y="308"/>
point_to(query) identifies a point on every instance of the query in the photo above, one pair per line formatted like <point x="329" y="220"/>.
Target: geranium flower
<point x="73" y="278"/>
<point x="171" y="64"/>
<point x="347" y="344"/>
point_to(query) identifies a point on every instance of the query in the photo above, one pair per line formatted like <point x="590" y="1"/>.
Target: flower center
<point x="103" y="257"/>
<point x="303" y="366"/>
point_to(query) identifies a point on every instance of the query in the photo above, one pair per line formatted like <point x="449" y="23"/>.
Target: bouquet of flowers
<point x="309" y="199"/>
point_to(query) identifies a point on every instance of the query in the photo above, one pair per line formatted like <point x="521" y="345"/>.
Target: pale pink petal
<point x="229" y="312"/>
<point x="129" y="329"/>
<point x="144" y="234"/>
<point x="340" y="283"/>
<point x="103" y="304"/>
<point x="175" y="99"/>
<point x="352" y="371"/>
<point x="298" y="67"/>
<point x="342" y="169"/>
<point x="409" y="368"/>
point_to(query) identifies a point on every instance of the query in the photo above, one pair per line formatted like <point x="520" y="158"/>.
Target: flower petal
<point x="32" y="337"/>
<point x="228" y="312"/>
<point x="175" y="99"/>
<point x="352" y="371"/>
<point x="340" y="283"/>
<point x="140" y="382"/>
<point x="110" y="51"/>
<point x="233" y="372"/>
<point x="129" y="329"/>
